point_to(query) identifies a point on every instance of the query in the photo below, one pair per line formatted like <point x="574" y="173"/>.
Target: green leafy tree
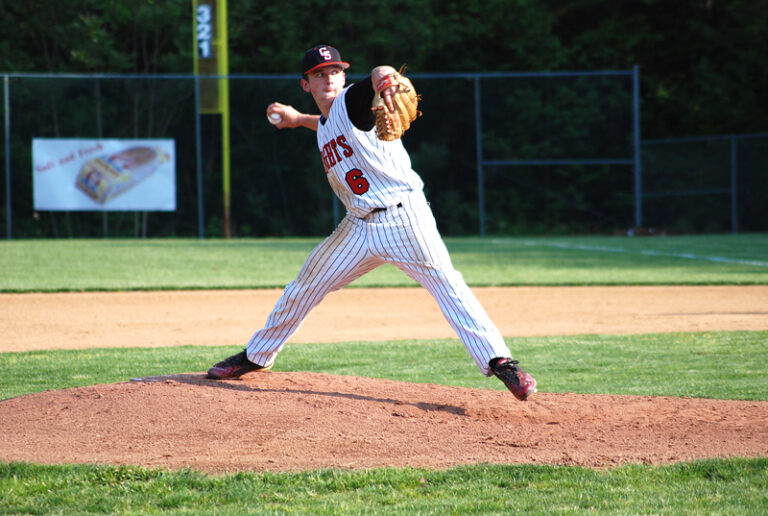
<point x="702" y="62"/>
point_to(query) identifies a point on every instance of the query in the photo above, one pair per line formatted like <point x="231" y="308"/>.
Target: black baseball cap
<point x="321" y="55"/>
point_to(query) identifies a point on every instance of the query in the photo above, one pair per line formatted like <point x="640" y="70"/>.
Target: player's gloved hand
<point x="395" y="103"/>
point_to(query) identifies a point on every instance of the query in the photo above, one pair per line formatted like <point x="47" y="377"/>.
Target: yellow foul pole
<point x="212" y="58"/>
<point x="224" y="103"/>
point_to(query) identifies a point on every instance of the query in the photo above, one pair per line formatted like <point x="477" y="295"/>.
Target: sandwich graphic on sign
<point x="105" y="177"/>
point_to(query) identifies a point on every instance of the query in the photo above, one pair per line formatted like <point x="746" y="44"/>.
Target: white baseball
<point x="275" y="118"/>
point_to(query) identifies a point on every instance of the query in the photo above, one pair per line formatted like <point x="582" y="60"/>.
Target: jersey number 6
<point x="357" y="182"/>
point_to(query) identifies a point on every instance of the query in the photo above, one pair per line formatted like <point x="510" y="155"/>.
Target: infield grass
<point x="157" y="264"/>
<point x="723" y="365"/>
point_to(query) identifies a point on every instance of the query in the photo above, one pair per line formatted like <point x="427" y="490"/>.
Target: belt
<point x="377" y="210"/>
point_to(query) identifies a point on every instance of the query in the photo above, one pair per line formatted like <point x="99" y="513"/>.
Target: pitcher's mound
<point x="299" y="421"/>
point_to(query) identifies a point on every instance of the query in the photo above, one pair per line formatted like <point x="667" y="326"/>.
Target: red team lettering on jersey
<point x="331" y="154"/>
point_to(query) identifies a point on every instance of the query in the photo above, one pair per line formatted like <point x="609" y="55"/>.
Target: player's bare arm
<point x="291" y="118"/>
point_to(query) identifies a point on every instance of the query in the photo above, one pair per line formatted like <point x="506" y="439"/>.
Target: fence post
<point x="479" y="153"/>
<point x="199" y="159"/>
<point x="638" y="164"/>
<point x="734" y="192"/>
<point x="7" y="104"/>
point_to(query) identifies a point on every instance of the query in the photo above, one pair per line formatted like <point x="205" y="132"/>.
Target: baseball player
<point x="388" y="220"/>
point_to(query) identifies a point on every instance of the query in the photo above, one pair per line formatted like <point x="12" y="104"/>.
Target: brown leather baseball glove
<point x="391" y="126"/>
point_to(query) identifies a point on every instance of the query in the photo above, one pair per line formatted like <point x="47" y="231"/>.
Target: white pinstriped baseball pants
<point x="406" y="237"/>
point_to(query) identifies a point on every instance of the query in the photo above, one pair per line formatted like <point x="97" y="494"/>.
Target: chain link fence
<point x="712" y="184"/>
<point x="527" y="153"/>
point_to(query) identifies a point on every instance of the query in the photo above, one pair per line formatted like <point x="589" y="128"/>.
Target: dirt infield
<point x="218" y="318"/>
<point x="296" y="421"/>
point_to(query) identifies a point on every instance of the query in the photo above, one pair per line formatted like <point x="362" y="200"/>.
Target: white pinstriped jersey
<point x="364" y="172"/>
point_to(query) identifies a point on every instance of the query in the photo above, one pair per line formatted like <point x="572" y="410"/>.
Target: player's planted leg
<point x="234" y="367"/>
<point x="520" y="383"/>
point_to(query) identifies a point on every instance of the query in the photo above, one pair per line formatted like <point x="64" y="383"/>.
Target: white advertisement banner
<point x="104" y="175"/>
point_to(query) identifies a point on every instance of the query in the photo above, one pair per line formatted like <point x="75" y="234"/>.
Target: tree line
<point x="702" y="61"/>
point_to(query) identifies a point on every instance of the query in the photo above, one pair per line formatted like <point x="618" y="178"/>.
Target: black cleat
<point x="520" y="383"/>
<point x="234" y="367"/>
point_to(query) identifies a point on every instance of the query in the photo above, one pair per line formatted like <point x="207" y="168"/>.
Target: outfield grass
<point x="65" y="265"/>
